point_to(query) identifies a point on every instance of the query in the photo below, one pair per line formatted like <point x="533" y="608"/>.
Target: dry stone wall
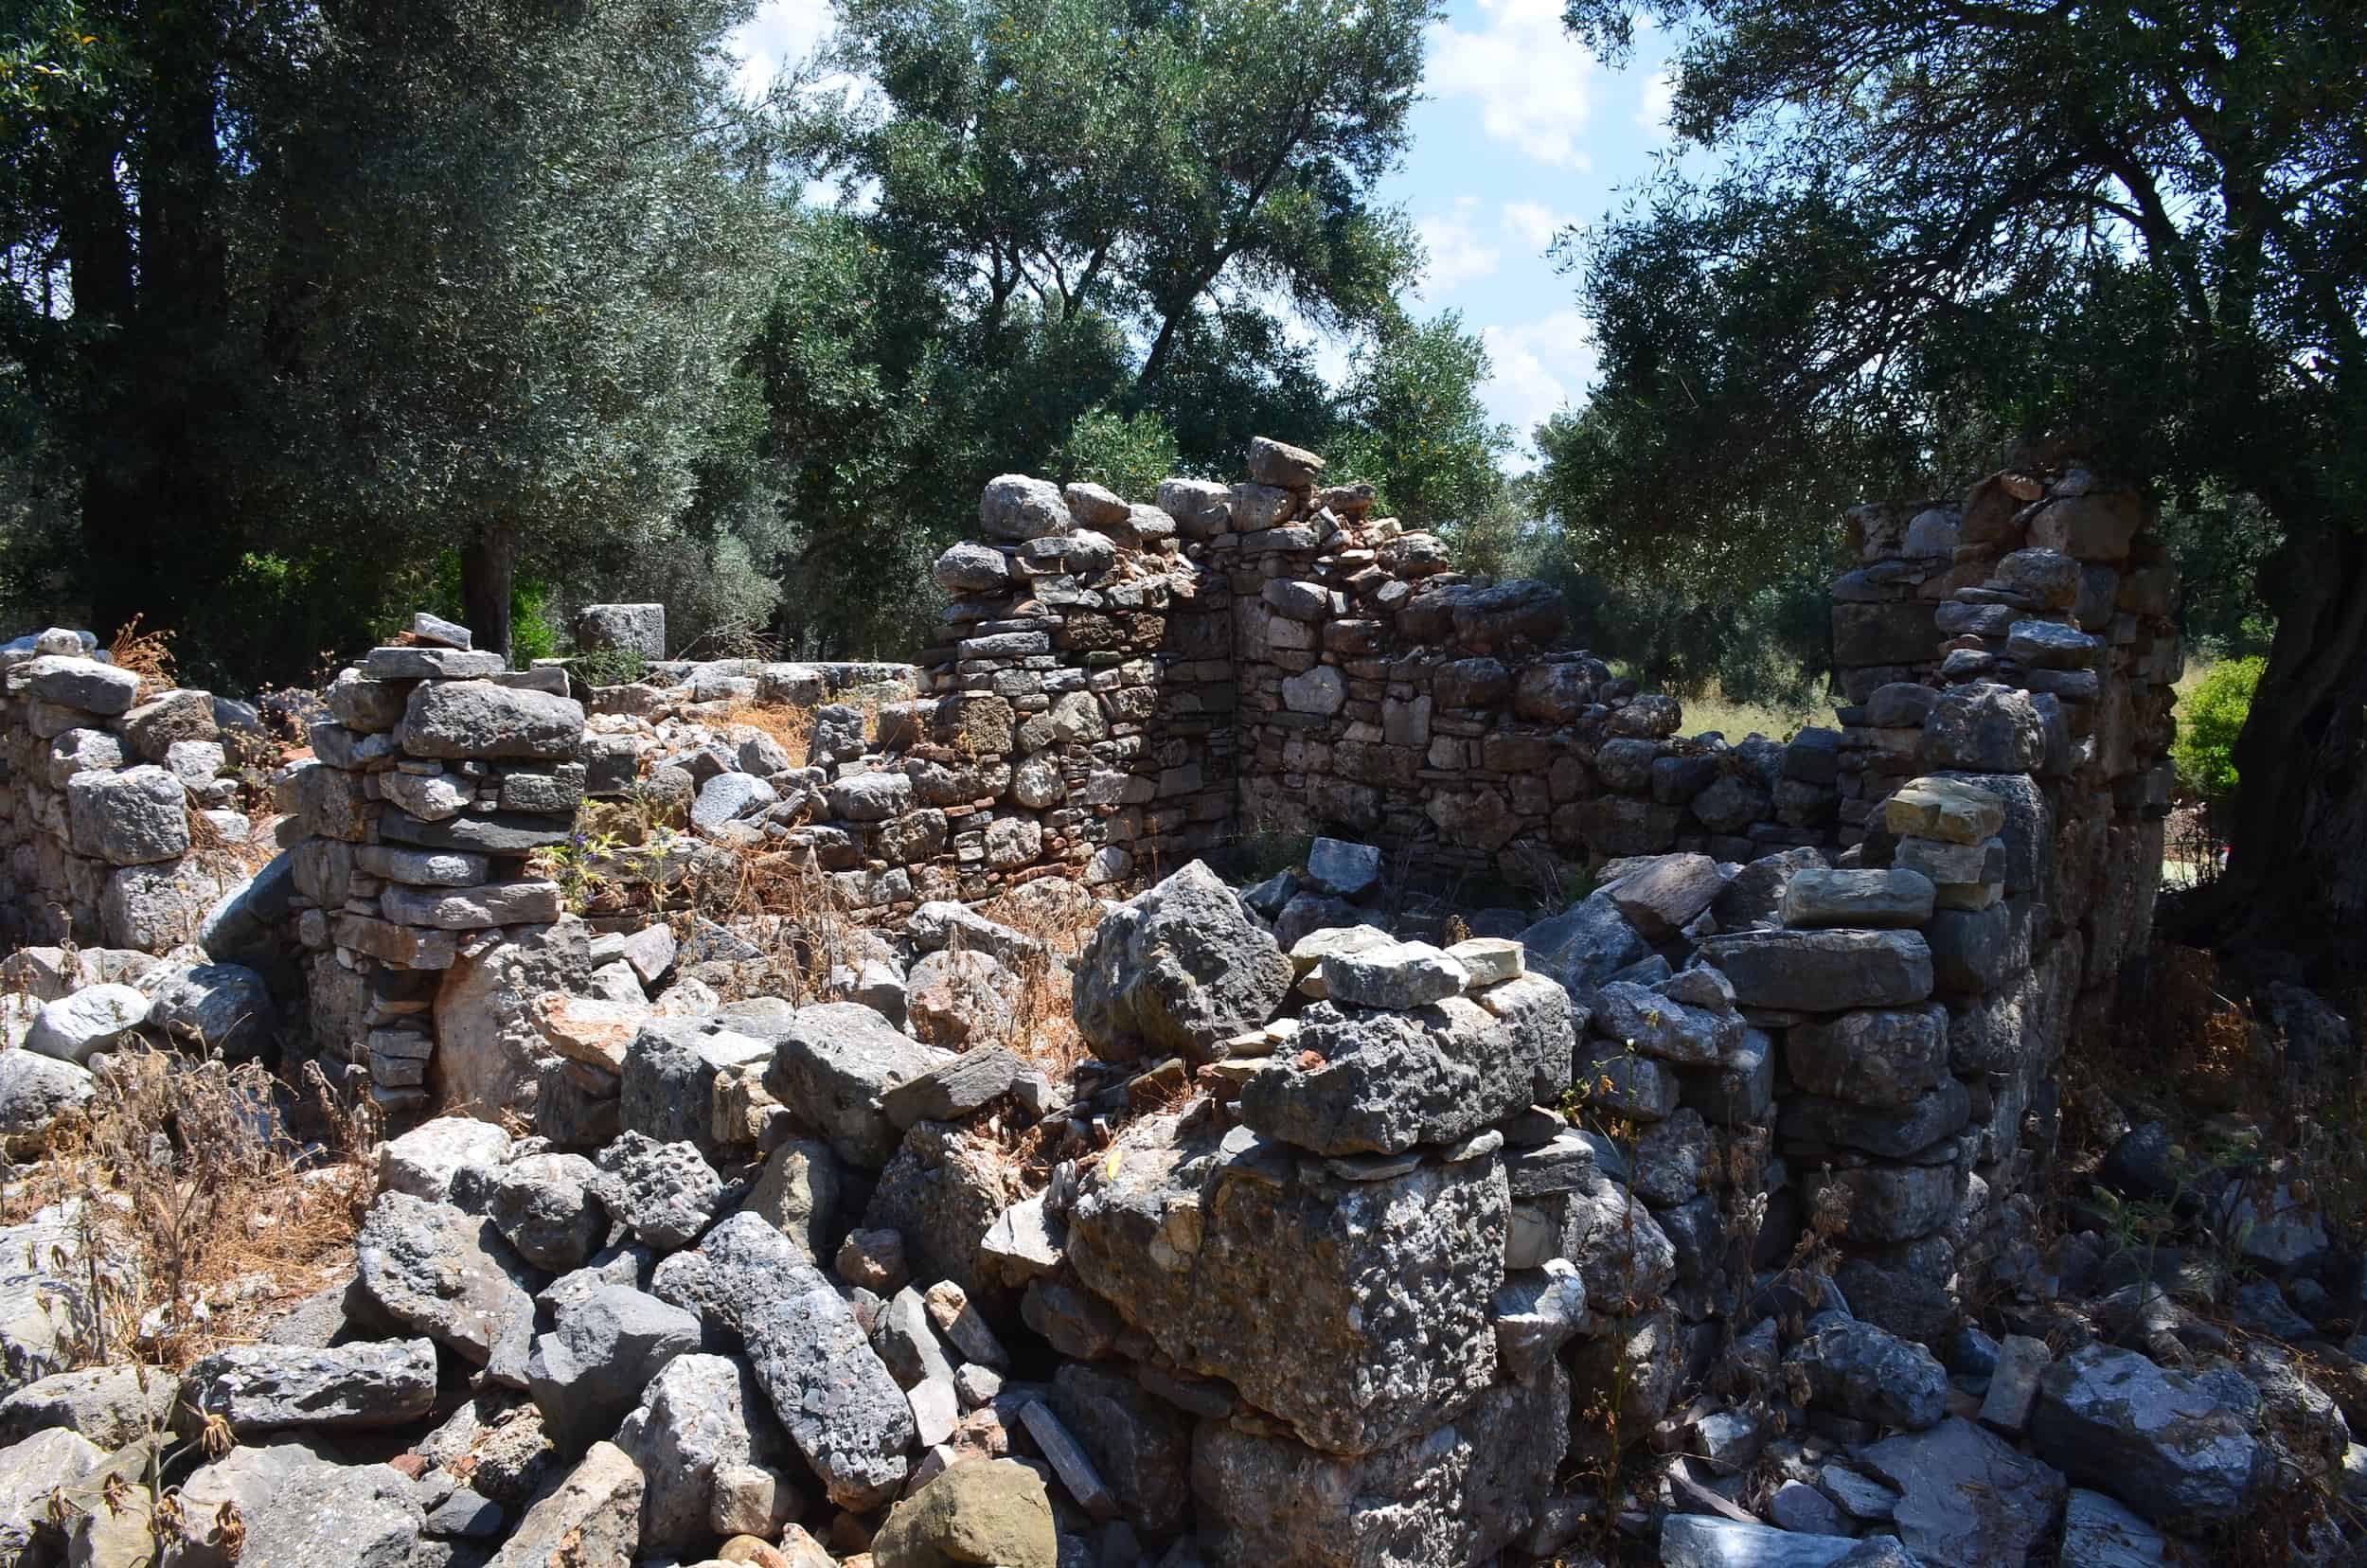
<point x="115" y="800"/>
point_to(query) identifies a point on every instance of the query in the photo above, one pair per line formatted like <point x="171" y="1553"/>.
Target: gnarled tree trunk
<point x="2298" y="853"/>
<point x="488" y="561"/>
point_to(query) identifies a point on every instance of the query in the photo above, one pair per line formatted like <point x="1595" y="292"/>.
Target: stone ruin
<point x="1350" y="1246"/>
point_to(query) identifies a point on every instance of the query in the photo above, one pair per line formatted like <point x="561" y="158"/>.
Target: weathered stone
<point x="671" y="1074"/>
<point x="479" y="718"/>
<point x="1622" y="1253"/>
<point x="1823" y="970"/>
<point x="544" y="1207"/>
<point x="1859" y="898"/>
<point x="1203" y="1247"/>
<point x="1017" y="508"/>
<point x="75" y="1027"/>
<point x="698" y="1419"/>
<point x="1984" y="728"/>
<point x="1177" y="971"/>
<point x="1384" y="1082"/>
<point x="954" y="1089"/>
<point x="1704" y="1540"/>
<point x="2100" y="1532"/>
<point x="1868" y="1374"/>
<point x="2161" y="1440"/>
<point x="94" y="687"/>
<point x="1584" y="946"/>
<point x="1457" y="1493"/>
<point x="1937" y="1471"/>
<point x="603" y="1350"/>
<point x="665" y="1193"/>
<point x="444" y="1274"/>
<point x="830" y="1388"/>
<point x="1809" y="1122"/>
<point x="591" y="1521"/>
<point x="1658" y="1025"/>
<point x="109" y="1406"/>
<point x="834" y="1065"/>
<point x="135" y="817"/>
<point x="267" y="1387"/>
<point x="488" y="1043"/>
<point x="1140" y="1445"/>
<point x="977" y="1511"/>
<point x="1876" y="1057"/>
<point x="1341" y="870"/>
<point x="1396" y="977"/>
<point x="294" y="1505"/>
<point x="1663" y="897"/>
<point x="942" y="1193"/>
<point x="422" y="1162"/>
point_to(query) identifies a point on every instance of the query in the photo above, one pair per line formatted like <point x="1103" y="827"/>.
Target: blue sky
<point x="1522" y="131"/>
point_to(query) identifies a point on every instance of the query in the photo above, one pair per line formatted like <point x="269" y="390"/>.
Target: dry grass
<point x="786" y="723"/>
<point x="200" y="1221"/>
<point x="147" y="655"/>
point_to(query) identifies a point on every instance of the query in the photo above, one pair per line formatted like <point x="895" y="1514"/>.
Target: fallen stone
<point x="1666" y="893"/>
<point x="75" y="1027"/>
<point x="602" y="1351"/>
<point x="1341" y="870"/>
<point x="978" y="1510"/>
<point x="1396" y="977"/>
<point x="2099" y="1532"/>
<point x="444" y="1274"/>
<point x="665" y="1193"/>
<point x="1699" y="1541"/>
<point x="1965" y="1495"/>
<point x="593" y="1519"/>
<point x="2161" y="1440"/>
<point x="294" y="1505"/>
<point x="1177" y="971"/>
<point x="261" y="1388"/>
<point x="696" y="1420"/>
<point x="1870" y="1375"/>
<point x="834" y="1066"/>
<point x="422" y="1162"/>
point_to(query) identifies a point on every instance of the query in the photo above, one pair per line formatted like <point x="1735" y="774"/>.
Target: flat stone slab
<point x="1823" y="970"/>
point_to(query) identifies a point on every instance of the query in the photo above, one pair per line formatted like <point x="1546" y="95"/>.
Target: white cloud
<point x="1538" y="366"/>
<point x="778" y="38"/>
<point x="1530" y="76"/>
<point x="1660" y="94"/>
<point x="1534" y="223"/>
<point x="1456" y="256"/>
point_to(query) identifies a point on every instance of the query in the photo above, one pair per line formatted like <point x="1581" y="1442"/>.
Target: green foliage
<point x="2209" y="721"/>
<point x="2160" y="248"/>
<point x="605" y="666"/>
<point x="1129" y="455"/>
<point x="1416" y="427"/>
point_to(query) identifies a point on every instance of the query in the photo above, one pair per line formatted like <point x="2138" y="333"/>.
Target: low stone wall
<point x="115" y="814"/>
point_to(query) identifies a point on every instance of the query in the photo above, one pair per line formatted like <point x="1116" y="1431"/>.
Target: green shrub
<point x="608" y="666"/>
<point x="2208" y="723"/>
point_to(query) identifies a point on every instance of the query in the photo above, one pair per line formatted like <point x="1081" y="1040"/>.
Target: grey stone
<point x="1882" y="1055"/>
<point x="2165" y="1445"/>
<point x="31" y="1469"/>
<point x="408" y="662"/>
<point x="109" y="1406"/>
<point x="1862" y="898"/>
<point x="1394" y="975"/>
<point x="2099" y="1532"/>
<point x="478" y="719"/>
<point x="1177" y="971"/>
<point x="1740" y="1089"/>
<point x="2013" y="1391"/>
<point x="542" y="1204"/>
<point x="841" y="1408"/>
<point x="504" y="903"/>
<point x="696" y="1420"/>
<point x="672" y="1071"/>
<point x="952" y="1089"/>
<point x="1140" y="1446"/>
<point x="626" y="628"/>
<point x="1799" y="1507"/>
<point x="1894" y="1132"/>
<point x="1665" y="894"/>
<point x="267" y="1387"/>
<point x="1201" y="1242"/>
<point x="800" y="1193"/>
<point x="1965" y="1495"/>
<point x="1702" y="1540"/>
<point x="1458" y="1493"/>
<point x="593" y="1519"/>
<point x="75" y="1027"/>
<point x="1623" y="1081"/>
<point x="1823" y="970"/>
<point x="1017" y="508"/>
<point x="1386" y="1082"/>
<point x="443" y="1274"/>
<point x="1870" y="1375"/>
<point x="1584" y="946"/>
<point x="297" y="1508"/>
<point x="665" y="1193"/>
<point x="1536" y="1312"/>
<point x="1984" y="728"/>
<point x="134" y="817"/>
<point x="833" y="1067"/>
<point x="422" y="1162"/>
<point x="85" y="684"/>
<point x="487" y="1018"/>
<point x="602" y="1352"/>
<point x="1342" y="870"/>
<point x="222" y="1008"/>
<point x="1658" y="1025"/>
<point x="497" y="833"/>
<point x="1623" y="1255"/>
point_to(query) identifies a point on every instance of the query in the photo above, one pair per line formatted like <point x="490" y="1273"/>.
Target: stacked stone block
<point x="1325" y="1274"/>
<point x="99" y="785"/>
<point x="439" y="774"/>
